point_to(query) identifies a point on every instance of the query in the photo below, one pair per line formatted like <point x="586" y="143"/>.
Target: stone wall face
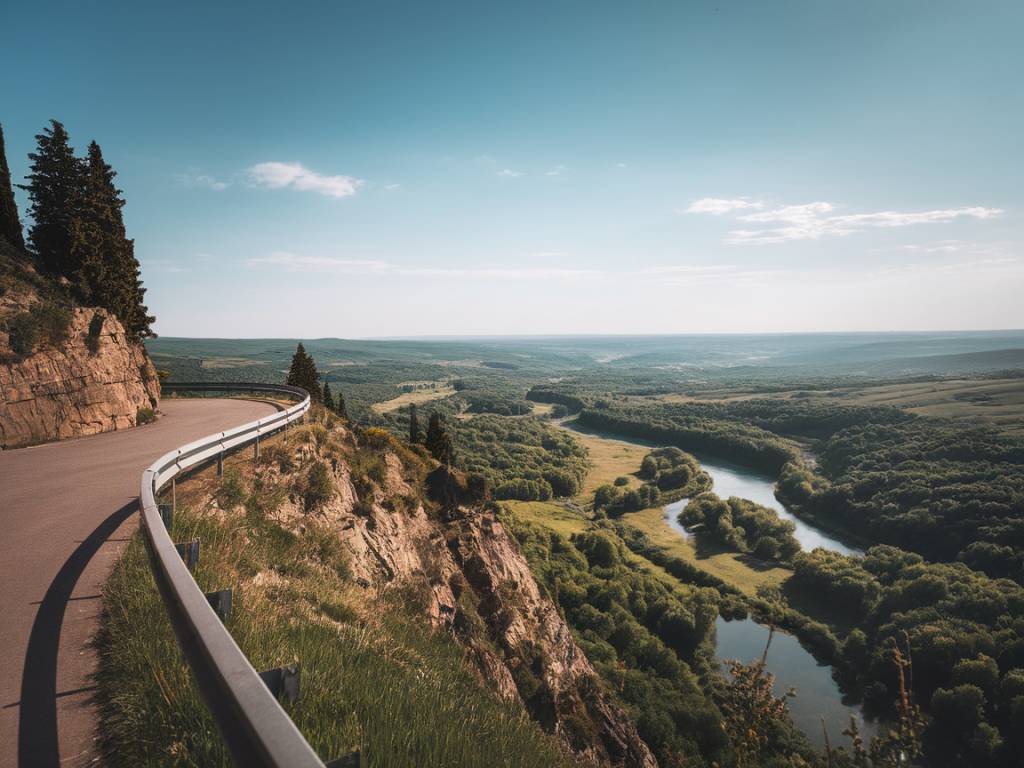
<point x="71" y="391"/>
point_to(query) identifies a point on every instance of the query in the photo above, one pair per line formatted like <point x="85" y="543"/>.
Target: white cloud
<point x="291" y="262"/>
<point x="558" y="170"/>
<point x="274" y="175"/>
<point x="812" y="221"/>
<point x="622" y="165"/>
<point x="195" y="179"/>
<point x="390" y="187"/>
<point x="509" y="173"/>
<point x="718" y="205"/>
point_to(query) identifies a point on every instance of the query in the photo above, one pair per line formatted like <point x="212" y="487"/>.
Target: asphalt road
<point x="66" y="510"/>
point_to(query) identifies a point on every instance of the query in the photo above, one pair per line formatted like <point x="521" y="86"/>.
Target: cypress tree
<point x="328" y="397"/>
<point x="414" y="425"/>
<point x="55" y="192"/>
<point x="439" y="442"/>
<point x="341" y="410"/>
<point x="10" y="224"/>
<point x="105" y="270"/>
<point x="303" y="373"/>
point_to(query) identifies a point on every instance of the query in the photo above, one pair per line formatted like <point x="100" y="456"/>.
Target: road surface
<point x="66" y="510"/>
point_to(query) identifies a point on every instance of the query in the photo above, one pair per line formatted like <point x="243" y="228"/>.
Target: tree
<point x="101" y="261"/>
<point x="340" y="406"/>
<point x="414" y="425"/>
<point x="55" y="191"/>
<point x="438" y="441"/>
<point x="303" y="373"/>
<point x="328" y="397"/>
<point x="10" y="224"/>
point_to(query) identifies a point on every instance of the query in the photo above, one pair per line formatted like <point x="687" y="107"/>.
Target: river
<point x="817" y="695"/>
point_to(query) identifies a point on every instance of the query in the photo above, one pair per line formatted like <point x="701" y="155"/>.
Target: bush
<point x="232" y="490"/>
<point x="144" y="416"/>
<point x="318" y="488"/>
<point x="620" y="481"/>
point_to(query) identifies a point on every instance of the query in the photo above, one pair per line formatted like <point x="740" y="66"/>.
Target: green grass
<point x="374" y="678"/>
<point x="741" y="571"/>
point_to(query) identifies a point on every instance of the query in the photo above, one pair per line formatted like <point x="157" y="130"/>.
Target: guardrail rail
<point x="255" y="728"/>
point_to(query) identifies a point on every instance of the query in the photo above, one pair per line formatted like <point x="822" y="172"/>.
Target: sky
<point x="368" y="169"/>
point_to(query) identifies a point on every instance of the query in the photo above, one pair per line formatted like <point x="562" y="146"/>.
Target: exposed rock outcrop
<point x="87" y="384"/>
<point x="470" y="576"/>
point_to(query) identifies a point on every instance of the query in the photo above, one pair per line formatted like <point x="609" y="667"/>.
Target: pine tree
<point x="341" y="410"/>
<point x="414" y="425"/>
<point x="10" y="224"/>
<point x="328" y="399"/>
<point x="439" y="442"/>
<point x="104" y="270"/>
<point x="303" y="373"/>
<point x="55" y="194"/>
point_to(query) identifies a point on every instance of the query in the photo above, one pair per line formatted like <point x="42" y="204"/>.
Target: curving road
<point x="65" y="510"/>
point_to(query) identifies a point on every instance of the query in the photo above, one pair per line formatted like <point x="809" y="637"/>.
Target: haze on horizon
<point x="404" y="169"/>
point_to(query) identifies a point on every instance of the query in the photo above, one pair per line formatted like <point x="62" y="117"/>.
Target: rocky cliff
<point x="468" y="575"/>
<point x="94" y="380"/>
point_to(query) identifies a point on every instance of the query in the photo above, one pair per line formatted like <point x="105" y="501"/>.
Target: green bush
<point x="45" y="323"/>
<point x="144" y="416"/>
<point x="318" y="487"/>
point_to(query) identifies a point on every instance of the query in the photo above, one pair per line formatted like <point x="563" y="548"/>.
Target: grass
<point x="609" y="459"/>
<point x="376" y="678"/>
<point x="741" y="571"/>
<point x="418" y="397"/>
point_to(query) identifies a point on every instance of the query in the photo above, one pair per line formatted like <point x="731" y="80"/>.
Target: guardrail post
<point x="256" y="449"/>
<point x="220" y="601"/>
<point x="220" y="464"/>
<point x="283" y="681"/>
<point x="189" y="551"/>
<point x="166" y="514"/>
<point x="174" y="495"/>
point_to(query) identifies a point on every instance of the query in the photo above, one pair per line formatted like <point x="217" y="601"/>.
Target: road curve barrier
<point x="255" y="728"/>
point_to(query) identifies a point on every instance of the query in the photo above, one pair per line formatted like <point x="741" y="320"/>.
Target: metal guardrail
<point x="256" y="729"/>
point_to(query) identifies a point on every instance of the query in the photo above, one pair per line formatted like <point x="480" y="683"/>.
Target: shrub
<point x="620" y="481"/>
<point x="144" y="416"/>
<point x="319" y="486"/>
<point x="44" y="323"/>
<point x="232" y="490"/>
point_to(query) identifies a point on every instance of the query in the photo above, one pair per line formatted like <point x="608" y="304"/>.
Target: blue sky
<point x="405" y="168"/>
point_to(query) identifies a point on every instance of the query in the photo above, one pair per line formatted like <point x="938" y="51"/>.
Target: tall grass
<point x="385" y="684"/>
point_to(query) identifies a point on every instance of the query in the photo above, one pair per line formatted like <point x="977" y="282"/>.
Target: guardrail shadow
<point x="38" y="744"/>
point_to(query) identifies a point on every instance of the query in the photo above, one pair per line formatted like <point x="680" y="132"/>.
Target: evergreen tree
<point x="10" y="224"/>
<point x="55" y="195"/>
<point x="105" y="271"/>
<point x="328" y="397"/>
<point x="414" y="425"/>
<point x="303" y="373"/>
<point x="340" y="409"/>
<point x="439" y="442"/>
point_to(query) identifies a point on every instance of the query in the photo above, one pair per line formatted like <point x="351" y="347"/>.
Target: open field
<point x="999" y="402"/>
<point x="609" y="459"/>
<point x="741" y="571"/>
<point x="418" y="397"/>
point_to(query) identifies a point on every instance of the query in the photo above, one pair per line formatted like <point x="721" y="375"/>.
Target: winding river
<point x="818" y="697"/>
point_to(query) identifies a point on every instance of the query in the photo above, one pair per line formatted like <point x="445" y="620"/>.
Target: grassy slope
<point x="419" y="397"/>
<point x="374" y="677"/>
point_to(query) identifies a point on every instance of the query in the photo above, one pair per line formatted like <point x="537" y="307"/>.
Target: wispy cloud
<point x="719" y="205"/>
<point x="813" y="221"/>
<point x="274" y="175"/>
<point x="558" y="170"/>
<point x="290" y="262"/>
<point x="391" y="187"/>
<point x="201" y="180"/>
<point x="508" y="173"/>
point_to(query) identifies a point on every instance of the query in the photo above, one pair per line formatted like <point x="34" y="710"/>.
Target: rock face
<point x="472" y="578"/>
<point x="71" y="390"/>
